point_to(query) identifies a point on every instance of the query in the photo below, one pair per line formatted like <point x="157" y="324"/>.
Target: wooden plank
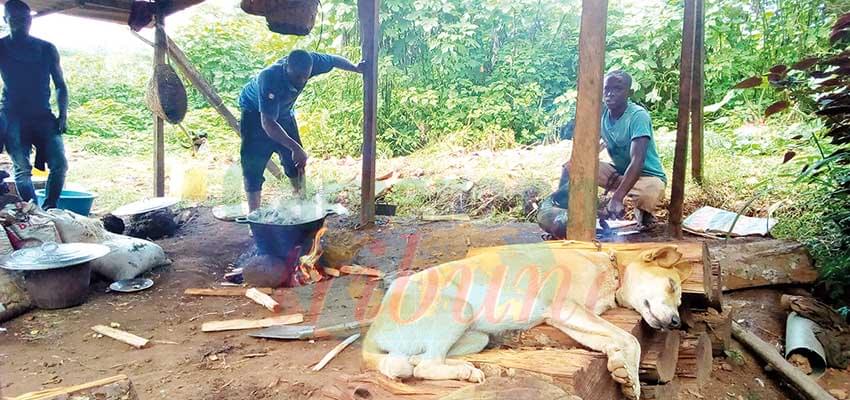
<point x="581" y="223"/>
<point x="117" y="387"/>
<point x="718" y="326"/>
<point x="208" y="91"/>
<point x="659" y="354"/>
<point x="239" y="324"/>
<point x="694" y="363"/>
<point x="359" y="270"/>
<point x="764" y="263"/>
<point x="579" y="372"/>
<point x="451" y="217"/>
<point x="159" y="124"/>
<point x="223" y="292"/>
<point x="686" y="69"/>
<point x="549" y="336"/>
<point x="121" y="336"/>
<point x="697" y="118"/>
<point x="369" y="28"/>
<point x="263" y="299"/>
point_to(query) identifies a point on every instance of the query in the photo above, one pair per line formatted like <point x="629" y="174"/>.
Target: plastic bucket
<point x="71" y="200"/>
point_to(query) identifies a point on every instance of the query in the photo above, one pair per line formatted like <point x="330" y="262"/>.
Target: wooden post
<point x="686" y="69"/>
<point x="697" y="118"/>
<point x="159" y="124"/>
<point x="369" y="22"/>
<point x="585" y="155"/>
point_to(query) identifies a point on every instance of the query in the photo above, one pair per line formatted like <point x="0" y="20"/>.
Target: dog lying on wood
<point x="452" y="309"/>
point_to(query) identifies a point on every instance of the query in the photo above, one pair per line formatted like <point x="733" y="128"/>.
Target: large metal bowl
<point x="288" y="242"/>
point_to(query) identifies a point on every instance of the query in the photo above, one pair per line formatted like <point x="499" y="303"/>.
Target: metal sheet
<point x="144" y="206"/>
<point x="800" y="339"/>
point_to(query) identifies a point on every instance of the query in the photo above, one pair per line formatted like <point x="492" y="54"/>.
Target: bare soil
<point x="51" y="348"/>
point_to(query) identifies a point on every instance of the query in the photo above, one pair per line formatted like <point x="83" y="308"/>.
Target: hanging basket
<point x="287" y="17"/>
<point x="166" y="95"/>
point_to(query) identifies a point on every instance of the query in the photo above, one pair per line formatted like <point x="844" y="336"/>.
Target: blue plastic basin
<point x="71" y="200"/>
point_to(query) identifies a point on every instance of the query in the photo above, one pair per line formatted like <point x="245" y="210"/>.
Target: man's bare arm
<point x="61" y="91"/>
<point x="278" y="134"/>
<point x="345" y="65"/>
<point x="638" y="157"/>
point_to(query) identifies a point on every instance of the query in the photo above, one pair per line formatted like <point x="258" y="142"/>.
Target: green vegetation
<point x="493" y="77"/>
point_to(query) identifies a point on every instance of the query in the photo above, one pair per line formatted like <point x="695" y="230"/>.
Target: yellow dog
<point x="452" y="309"/>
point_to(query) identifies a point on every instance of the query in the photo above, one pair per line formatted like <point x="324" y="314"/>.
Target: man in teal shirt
<point x="635" y="170"/>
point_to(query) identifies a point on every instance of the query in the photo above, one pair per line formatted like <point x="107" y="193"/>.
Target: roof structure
<point x="117" y="11"/>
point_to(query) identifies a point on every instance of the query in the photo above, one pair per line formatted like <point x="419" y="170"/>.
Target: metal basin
<point x="59" y="287"/>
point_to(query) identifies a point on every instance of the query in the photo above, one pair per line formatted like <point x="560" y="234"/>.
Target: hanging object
<point x="166" y="95"/>
<point x="287" y="17"/>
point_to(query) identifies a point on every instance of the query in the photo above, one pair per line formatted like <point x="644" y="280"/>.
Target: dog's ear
<point x="666" y="256"/>
<point x="684" y="269"/>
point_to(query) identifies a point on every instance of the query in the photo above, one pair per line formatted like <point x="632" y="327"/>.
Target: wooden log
<point x="263" y="299"/>
<point x="667" y="391"/>
<point x="239" y="324"/>
<point x="223" y="292"/>
<point x="698" y="88"/>
<point x="159" y="124"/>
<point x="581" y="223"/>
<point x="686" y="69"/>
<point x="579" y="372"/>
<point x="117" y="387"/>
<point x="121" y="336"/>
<point x="763" y="263"/>
<point x="368" y="11"/>
<point x="717" y="325"/>
<point x="694" y="362"/>
<point x="769" y="354"/>
<point x="659" y="355"/>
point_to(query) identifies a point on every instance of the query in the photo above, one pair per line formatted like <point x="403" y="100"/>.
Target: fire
<point x="309" y="273"/>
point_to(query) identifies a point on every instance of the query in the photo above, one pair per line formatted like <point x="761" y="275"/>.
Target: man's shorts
<point x="648" y="192"/>
<point x="257" y="148"/>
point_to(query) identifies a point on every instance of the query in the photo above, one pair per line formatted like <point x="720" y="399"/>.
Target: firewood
<point x="263" y="299"/>
<point x="763" y="263"/>
<point x="238" y="324"/>
<point x="659" y="354"/>
<point x="117" y="387"/>
<point x="717" y="325"/>
<point x="694" y="365"/>
<point x="223" y="292"/>
<point x="360" y="270"/>
<point x="336" y="350"/>
<point x="331" y="271"/>
<point x="121" y="336"/>
<point x="451" y="217"/>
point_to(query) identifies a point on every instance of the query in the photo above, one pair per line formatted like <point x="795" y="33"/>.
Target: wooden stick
<point x="585" y="155"/>
<point x="51" y="393"/>
<point x="263" y="299"/>
<point x="239" y="324"/>
<point x="360" y="270"/>
<point x="698" y="89"/>
<point x="331" y="271"/>
<point x="686" y="70"/>
<point x="336" y="350"/>
<point x="159" y="124"/>
<point x="121" y="336"/>
<point x="223" y="292"/>
<point x="769" y="354"/>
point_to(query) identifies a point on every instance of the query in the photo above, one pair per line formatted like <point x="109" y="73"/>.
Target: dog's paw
<point x="476" y="376"/>
<point x="395" y="367"/>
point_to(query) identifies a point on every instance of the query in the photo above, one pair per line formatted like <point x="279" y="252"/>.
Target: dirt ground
<point x="46" y="349"/>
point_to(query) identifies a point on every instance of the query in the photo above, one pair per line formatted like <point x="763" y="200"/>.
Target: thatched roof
<point x="117" y="11"/>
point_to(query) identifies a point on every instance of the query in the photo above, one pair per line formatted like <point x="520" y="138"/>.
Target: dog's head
<point x="652" y="285"/>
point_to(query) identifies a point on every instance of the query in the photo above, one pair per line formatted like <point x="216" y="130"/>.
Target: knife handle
<point x="341" y="328"/>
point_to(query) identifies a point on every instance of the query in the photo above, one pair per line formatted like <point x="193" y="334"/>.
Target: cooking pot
<point x="285" y="241"/>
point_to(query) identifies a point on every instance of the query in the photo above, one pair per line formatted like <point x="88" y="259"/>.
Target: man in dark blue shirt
<point x="27" y="65"/>
<point x="268" y="122"/>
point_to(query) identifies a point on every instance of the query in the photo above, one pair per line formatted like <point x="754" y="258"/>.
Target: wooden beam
<point x="159" y="124"/>
<point x="697" y="117"/>
<point x="369" y="39"/>
<point x="581" y="224"/>
<point x="208" y="91"/>
<point x="239" y="324"/>
<point x="686" y="70"/>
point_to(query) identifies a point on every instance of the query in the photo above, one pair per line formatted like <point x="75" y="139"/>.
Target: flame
<point x="307" y="267"/>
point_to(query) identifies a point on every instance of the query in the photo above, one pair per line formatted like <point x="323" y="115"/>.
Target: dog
<point x="452" y="309"/>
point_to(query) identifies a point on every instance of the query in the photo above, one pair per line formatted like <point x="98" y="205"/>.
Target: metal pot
<point x="285" y="241"/>
<point x="56" y="275"/>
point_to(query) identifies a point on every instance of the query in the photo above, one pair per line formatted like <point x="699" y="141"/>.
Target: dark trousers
<point x="42" y="131"/>
<point x="257" y="148"/>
